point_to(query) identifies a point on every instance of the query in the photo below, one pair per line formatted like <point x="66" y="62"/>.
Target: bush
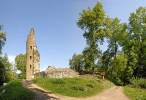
<point x="90" y="85"/>
<point x="79" y="88"/>
<point x="58" y="81"/>
<point x="138" y="82"/>
<point x="135" y="93"/>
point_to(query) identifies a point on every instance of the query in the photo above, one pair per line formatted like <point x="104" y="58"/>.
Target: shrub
<point x="90" y="85"/>
<point x="138" y="82"/>
<point x="135" y="93"/>
<point x="79" y="88"/>
<point x="58" y="81"/>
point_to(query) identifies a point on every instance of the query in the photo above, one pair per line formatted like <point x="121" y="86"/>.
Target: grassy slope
<point x="76" y="87"/>
<point x="135" y="93"/>
<point x="15" y="91"/>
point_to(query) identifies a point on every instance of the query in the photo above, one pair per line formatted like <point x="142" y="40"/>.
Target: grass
<point x="135" y="93"/>
<point x="15" y="91"/>
<point x="138" y="82"/>
<point x="75" y="87"/>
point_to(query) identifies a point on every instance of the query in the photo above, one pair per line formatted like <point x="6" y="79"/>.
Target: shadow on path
<point x="40" y="94"/>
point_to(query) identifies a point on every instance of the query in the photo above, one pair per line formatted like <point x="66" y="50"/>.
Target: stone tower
<point x="32" y="56"/>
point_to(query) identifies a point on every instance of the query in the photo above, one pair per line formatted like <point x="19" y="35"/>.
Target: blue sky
<point x="57" y="34"/>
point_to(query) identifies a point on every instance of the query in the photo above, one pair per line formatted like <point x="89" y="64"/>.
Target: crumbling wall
<point x="53" y="72"/>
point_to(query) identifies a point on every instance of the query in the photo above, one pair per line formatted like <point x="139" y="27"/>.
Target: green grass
<point x="135" y="93"/>
<point x="15" y="91"/>
<point x="75" y="87"/>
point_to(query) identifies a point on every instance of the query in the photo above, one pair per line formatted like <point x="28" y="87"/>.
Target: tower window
<point x="31" y="47"/>
<point x="30" y="66"/>
<point x="30" y="57"/>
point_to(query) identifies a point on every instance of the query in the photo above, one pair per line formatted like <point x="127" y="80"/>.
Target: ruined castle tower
<point x="32" y="56"/>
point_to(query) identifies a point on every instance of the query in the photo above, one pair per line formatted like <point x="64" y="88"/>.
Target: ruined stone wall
<point x="53" y="72"/>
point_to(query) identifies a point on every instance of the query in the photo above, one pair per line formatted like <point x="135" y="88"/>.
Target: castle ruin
<point x="32" y="56"/>
<point x="33" y="63"/>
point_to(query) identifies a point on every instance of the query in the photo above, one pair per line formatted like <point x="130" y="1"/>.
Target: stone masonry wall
<point x="53" y="72"/>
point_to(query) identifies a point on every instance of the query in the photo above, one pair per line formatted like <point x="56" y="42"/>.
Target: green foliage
<point x="135" y="93"/>
<point x="116" y="32"/>
<point x="20" y="62"/>
<point x="79" y="88"/>
<point x="76" y="87"/>
<point x="2" y="67"/>
<point x="89" y="55"/>
<point x="91" y="21"/>
<point x="15" y="91"/>
<point x="2" y="73"/>
<point x="137" y="89"/>
<point x="138" y="82"/>
<point x="116" y="72"/>
<point x="57" y="81"/>
<point x="90" y="85"/>
<point x="9" y="73"/>
<point x="76" y="63"/>
<point x="2" y="38"/>
<point x="125" y="55"/>
<point x="137" y="24"/>
<point x="114" y="61"/>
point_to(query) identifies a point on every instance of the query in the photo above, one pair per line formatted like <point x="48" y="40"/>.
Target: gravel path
<point x="114" y="93"/>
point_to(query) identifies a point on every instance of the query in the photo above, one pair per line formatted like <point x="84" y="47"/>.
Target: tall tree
<point x="91" y="21"/>
<point x="2" y="38"/>
<point x="20" y="62"/>
<point x="137" y="29"/>
<point x="125" y="56"/>
<point x="115" y="36"/>
<point x="130" y="50"/>
<point x="2" y="67"/>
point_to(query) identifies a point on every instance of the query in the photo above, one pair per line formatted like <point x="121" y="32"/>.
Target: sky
<point x="57" y="34"/>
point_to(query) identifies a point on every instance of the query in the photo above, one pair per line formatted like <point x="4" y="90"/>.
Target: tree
<point x="105" y="60"/>
<point x="117" y="70"/>
<point x="9" y="74"/>
<point x="2" y="73"/>
<point x="137" y="30"/>
<point x="20" y="62"/>
<point x="125" y="55"/>
<point x="130" y="50"/>
<point x="2" y="67"/>
<point x="76" y="63"/>
<point x="115" y="35"/>
<point x="91" y="21"/>
<point x="2" y="38"/>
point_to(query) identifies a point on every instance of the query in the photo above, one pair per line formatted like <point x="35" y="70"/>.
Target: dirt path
<point x="41" y="94"/>
<point x="114" y="93"/>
